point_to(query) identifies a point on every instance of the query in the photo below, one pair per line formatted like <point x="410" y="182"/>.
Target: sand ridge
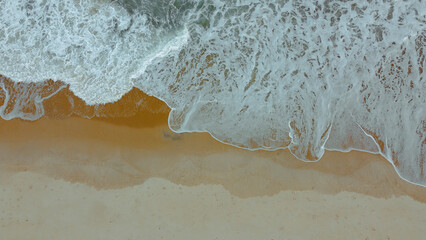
<point x="38" y="207"/>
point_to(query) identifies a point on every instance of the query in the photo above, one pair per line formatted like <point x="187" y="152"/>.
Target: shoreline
<point x="58" y="148"/>
<point x="135" y="109"/>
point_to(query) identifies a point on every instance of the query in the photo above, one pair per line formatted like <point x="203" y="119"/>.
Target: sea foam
<point x="271" y="74"/>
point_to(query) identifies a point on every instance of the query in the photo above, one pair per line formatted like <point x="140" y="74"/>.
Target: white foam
<point x="95" y="46"/>
<point x="307" y="75"/>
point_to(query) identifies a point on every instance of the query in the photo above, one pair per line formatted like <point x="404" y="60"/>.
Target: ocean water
<point x="271" y="74"/>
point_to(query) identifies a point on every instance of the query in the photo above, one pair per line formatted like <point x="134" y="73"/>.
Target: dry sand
<point x="119" y="179"/>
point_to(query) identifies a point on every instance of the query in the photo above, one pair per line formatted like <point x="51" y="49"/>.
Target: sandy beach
<point x="87" y="150"/>
<point x="123" y="178"/>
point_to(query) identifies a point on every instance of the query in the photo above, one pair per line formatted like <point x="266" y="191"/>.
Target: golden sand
<point x="132" y="178"/>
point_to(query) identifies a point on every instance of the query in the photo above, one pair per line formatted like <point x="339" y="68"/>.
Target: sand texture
<point x="110" y="179"/>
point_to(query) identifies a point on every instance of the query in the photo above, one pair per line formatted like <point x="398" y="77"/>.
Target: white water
<point x="307" y="75"/>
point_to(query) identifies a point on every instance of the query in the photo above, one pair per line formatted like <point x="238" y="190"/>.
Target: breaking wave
<point x="270" y="74"/>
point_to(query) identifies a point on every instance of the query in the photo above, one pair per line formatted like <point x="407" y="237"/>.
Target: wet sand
<point x="124" y="178"/>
